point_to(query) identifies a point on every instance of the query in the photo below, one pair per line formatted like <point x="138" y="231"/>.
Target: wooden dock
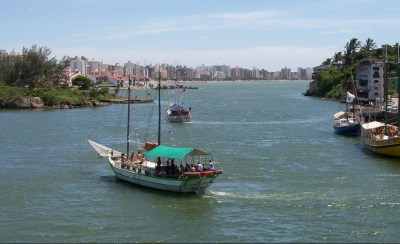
<point x="123" y="100"/>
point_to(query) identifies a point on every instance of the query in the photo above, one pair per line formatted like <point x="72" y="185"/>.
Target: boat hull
<point x="178" y="114"/>
<point x="388" y="147"/>
<point x="178" y="119"/>
<point x="353" y="129"/>
<point x="381" y="138"/>
<point x="345" y="124"/>
<point x="140" y="176"/>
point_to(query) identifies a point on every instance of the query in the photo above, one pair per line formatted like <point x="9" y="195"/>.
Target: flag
<point x="350" y="97"/>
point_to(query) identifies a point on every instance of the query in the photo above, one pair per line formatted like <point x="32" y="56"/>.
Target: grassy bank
<point x="53" y="97"/>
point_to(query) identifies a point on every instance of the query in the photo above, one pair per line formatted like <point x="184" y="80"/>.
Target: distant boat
<point x="171" y="169"/>
<point x="348" y="122"/>
<point x="176" y="112"/>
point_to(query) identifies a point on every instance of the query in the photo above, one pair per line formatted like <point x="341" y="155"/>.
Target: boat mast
<point x="385" y="93"/>
<point x="159" y="110"/>
<point x="177" y="99"/>
<point x="129" y="115"/>
<point x="398" y="86"/>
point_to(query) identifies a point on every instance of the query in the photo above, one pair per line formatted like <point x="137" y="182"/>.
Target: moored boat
<point x="381" y="138"/>
<point x="345" y="124"/>
<point x="349" y="121"/>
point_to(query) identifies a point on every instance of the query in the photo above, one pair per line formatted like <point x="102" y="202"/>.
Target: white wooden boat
<point x="147" y="173"/>
<point x="173" y="169"/>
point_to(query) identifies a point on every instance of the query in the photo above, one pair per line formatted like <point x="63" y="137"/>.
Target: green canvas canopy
<point x="174" y="152"/>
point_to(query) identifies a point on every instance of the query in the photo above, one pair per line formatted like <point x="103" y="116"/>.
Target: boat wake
<point x="272" y="196"/>
<point x="252" y="122"/>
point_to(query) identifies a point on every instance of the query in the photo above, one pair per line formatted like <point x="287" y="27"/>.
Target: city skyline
<point x="259" y="34"/>
<point x="87" y="66"/>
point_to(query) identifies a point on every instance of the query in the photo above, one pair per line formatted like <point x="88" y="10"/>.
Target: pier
<point x="123" y="100"/>
<point x="378" y="114"/>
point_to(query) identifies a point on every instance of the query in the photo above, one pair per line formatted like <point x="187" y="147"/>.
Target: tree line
<point x="33" y="68"/>
<point x="33" y="73"/>
<point x="339" y="71"/>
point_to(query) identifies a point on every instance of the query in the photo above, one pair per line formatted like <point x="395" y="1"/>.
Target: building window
<point x="363" y="82"/>
<point x="376" y="74"/>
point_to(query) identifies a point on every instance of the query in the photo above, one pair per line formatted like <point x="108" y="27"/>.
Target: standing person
<point x="158" y="168"/>
<point x="168" y="167"/>
<point x="123" y="159"/>
<point x="140" y="156"/>
<point x="173" y="167"/>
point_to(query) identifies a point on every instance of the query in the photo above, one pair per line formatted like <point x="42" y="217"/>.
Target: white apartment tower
<point x="370" y="80"/>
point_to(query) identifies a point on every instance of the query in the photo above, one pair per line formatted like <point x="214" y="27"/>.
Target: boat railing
<point x="164" y="171"/>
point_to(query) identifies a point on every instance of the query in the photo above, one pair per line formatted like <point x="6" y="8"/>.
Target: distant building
<point x="370" y="80"/>
<point x="286" y="73"/>
<point x="304" y="74"/>
<point x="79" y="64"/>
<point x="99" y="71"/>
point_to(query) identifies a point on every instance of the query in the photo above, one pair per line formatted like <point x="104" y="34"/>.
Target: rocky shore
<point x="22" y="102"/>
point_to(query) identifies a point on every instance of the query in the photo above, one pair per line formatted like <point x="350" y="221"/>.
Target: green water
<point x="287" y="176"/>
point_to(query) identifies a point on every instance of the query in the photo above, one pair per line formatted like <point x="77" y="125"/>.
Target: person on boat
<point x="168" y="169"/>
<point x="199" y="167"/>
<point x="173" y="167"/>
<point x="133" y="157"/>
<point x="182" y="169"/>
<point x="157" y="169"/>
<point x="210" y="165"/>
<point x="190" y="168"/>
<point x="123" y="164"/>
<point x="140" y="156"/>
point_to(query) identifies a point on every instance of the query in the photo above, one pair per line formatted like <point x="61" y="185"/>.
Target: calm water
<point x="287" y="176"/>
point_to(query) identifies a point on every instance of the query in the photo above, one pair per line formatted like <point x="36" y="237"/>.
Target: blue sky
<point x="266" y="34"/>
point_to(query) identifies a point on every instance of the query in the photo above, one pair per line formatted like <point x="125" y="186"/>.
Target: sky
<point x="263" y="34"/>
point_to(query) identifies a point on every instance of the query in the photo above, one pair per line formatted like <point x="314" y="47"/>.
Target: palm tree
<point x="367" y="49"/>
<point x="351" y="51"/>
<point x="369" y="45"/>
<point x="327" y="62"/>
<point x="338" y="58"/>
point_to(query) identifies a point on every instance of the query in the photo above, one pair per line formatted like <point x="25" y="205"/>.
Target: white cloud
<point x="254" y="15"/>
<point x="339" y="31"/>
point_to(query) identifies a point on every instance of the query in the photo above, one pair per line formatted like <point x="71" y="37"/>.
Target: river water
<point x="287" y="176"/>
